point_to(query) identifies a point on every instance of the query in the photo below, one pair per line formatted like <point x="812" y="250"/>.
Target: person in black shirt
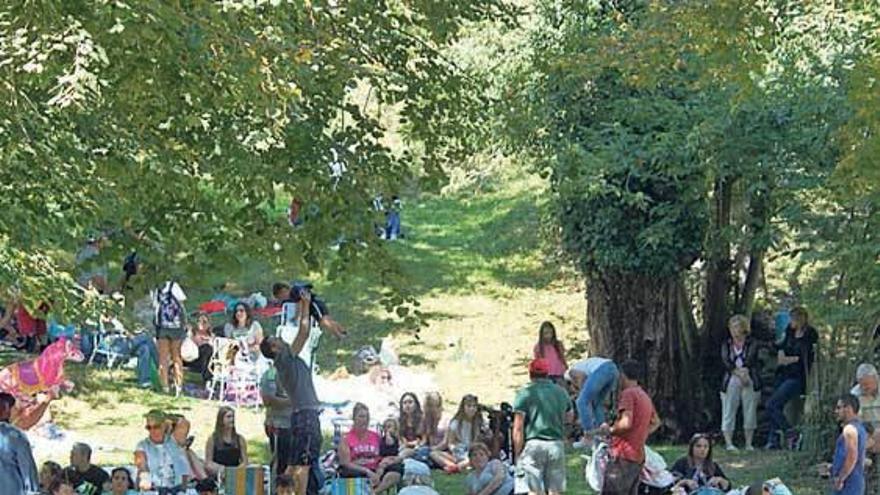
<point x="81" y="470"/>
<point x="697" y="470"/>
<point x="795" y="356"/>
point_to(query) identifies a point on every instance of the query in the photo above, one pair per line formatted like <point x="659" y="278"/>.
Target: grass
<point x="479" y="268"/>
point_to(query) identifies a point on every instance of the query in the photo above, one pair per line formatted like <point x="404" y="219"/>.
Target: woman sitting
<point x="410" y="422"/>
<point x="489" y="477"/>
<point x="161" y="465"/>
<point x="697" y="473"/>
<point x="121" y="482"/>
<point x="360" y="454"/>
<point x="242" y="326"/>
<point x="464" y="429"/>
<point x="202" y="335"/>
<point x="225" y="447"/>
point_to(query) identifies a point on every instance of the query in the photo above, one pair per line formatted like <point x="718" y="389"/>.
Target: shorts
<point x="542" y="465"/>
<point x="279" y="445"/>
<point x="171" y="333"/>
<point x="350" y="473"/>
<point x="305" y="431"/>
<point x="621" y="477"/>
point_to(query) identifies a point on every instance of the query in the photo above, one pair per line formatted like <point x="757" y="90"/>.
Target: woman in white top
<point x="242" y="326"/>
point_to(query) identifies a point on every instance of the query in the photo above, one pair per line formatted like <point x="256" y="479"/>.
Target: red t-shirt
<point x="630" y="445"/>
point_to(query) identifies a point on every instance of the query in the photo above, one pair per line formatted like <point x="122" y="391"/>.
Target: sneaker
<point x="145" y="385"/>
<point x="750" y="448"/>
<point x="580" y="444"/>
<point x="731" y="448"/>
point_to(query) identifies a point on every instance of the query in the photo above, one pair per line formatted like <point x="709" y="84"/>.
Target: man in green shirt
<point x="540" y="411"/>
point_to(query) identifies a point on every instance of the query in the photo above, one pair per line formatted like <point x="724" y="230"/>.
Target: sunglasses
<point x="154" y="427"/>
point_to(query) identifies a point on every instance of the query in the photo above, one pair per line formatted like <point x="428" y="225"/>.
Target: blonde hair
<point x="740" y="322"/>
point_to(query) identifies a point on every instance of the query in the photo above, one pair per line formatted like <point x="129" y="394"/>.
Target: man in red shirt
<point x="636" y="419"/>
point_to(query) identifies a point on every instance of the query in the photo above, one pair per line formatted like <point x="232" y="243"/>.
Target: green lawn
<point x="483" y="275"/>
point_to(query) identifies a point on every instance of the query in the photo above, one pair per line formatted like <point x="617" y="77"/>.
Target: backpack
<point x="169" y="312"/>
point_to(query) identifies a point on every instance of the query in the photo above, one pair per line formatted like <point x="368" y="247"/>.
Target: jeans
<point x="392" y="225"/>
<point x="140" y="345"/>
<point x="590" y="402"/>
<point x="787" y="389"/>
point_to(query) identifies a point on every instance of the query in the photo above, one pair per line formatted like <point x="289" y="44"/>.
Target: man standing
<point x="82" y="471"/>
<point x="869" y="397"/>
<point x="18" y="472"/>
<point x="538" y="431"/>
<point x="295" y="378"/>
<point x="636" y="419"/>
<point x="277" y="424"/>
<point x="848" y="466"/>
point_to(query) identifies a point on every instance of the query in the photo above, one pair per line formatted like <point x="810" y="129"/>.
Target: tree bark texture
<point x="650" y="320"/>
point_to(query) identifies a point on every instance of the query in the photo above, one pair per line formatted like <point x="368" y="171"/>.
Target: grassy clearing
<point x="482" y="276"/>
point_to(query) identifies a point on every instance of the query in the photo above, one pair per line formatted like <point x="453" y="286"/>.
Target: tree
<point x="179" y="126"/>
<point x="672" y="143"/>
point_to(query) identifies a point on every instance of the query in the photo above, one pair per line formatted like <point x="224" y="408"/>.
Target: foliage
<point x="173" y="125"/>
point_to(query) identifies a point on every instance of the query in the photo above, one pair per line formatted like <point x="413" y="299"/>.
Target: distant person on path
<point x="295" y="378"/>
<point x="795" y="358"/>
<point x="540" y="409"/>
<point x="82" y="471"/>
<point x="848" y="466"/>
<point x="697" y="470"/>
<point x="636" y="419"/>
<point x="550" y="348"/>
<point x="741" y="382"/>
<point x="597" y="378"/>
<point x="18" y="471"/>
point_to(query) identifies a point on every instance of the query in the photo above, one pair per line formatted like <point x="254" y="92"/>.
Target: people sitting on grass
<point x="595" y="378"/>
<point x="489" y="476"/>
<point x="360" y="454"/>
<point x="741" y="382"/>
<point x="463" y="430"/>
<point x="180" y="427"/>
<point x="243" y="327"/>
<point x="410" y="418"/>
<point x="82" y="472"/>
<point x="161" y="464"/>
<point x="550" y="348"/>
<point x="49" y="473"/>
<point x="121" y="482"/>
<point x="225" y="447"/>
<point x="202" y="335"/>
<point x="795" y="358"/>
<point x="697" y="473"/>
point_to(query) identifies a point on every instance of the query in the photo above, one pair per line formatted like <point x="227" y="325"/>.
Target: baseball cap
<point x="539" y="367"/>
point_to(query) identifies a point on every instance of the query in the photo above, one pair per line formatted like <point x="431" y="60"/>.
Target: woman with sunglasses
<point x="161" y="464"/>
<point x="697" y="473"/>
<point x="242" y="326"/>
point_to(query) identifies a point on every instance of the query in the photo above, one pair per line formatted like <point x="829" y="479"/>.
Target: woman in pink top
<point x="359" y="455"/>
<point x="549" y="347"/>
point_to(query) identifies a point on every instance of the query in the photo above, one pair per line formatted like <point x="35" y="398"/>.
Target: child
<point x="390" y="445"/>
<point x="550" y="348"/>
<point x="464" y="429"/>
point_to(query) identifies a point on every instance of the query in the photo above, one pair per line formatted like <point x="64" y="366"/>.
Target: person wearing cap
<point x="161" y="465"/>
<point x="596" y="378"/>
<point x="18" y="471"/>
<point x="866" y="390"/>
<point x="540" y="410"/>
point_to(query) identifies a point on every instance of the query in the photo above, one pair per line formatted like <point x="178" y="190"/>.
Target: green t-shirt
<point x="544" y="404"/>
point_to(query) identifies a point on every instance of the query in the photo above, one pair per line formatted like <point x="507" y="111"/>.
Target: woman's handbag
<point x="189" y="351"/>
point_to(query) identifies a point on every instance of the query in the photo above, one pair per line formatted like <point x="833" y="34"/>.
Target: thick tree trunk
<point x="745" y="301"/>
<point x="649" y="320"/>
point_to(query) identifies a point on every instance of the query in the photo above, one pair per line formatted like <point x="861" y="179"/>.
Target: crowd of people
<point x="522" y="453"/>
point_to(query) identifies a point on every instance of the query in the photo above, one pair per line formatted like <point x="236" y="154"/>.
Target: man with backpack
<point x="170" y="322"/>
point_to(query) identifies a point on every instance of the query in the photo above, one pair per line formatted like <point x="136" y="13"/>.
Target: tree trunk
<point x="718" y="284"/>
<point x="649" y="319"/>
<point x="745" y="301"/>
